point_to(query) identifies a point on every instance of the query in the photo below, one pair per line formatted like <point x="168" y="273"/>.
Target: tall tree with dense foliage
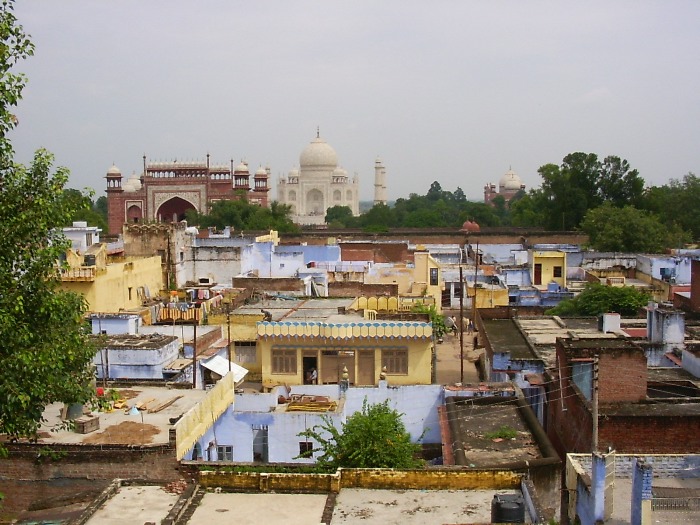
<point x="677" y="202"/>
<point x="581" y="183"/>
<point x="598" y="299"/>
<point x="84" y="208"/>
<point x="628" y="229"/>
<point x="45" y="353"/>
<point x="374" y="437"/>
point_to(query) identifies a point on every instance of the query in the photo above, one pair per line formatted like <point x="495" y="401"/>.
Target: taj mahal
<point x="320" y="183"/>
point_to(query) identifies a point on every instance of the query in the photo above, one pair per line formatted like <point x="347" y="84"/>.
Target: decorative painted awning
<point x="345" y="331"/>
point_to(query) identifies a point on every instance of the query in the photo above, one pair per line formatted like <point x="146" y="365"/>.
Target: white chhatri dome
<point x="318" y="154"/>
<point x="114" y="170"/>
<point x="133" y="183"/>
<point x="510" y="181"/>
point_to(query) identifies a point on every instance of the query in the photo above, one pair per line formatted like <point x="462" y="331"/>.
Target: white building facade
<point x="319" y="183"/>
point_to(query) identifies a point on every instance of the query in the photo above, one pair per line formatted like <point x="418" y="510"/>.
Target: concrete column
<point x="642" y="476"/>
<point x="598" y="486"/>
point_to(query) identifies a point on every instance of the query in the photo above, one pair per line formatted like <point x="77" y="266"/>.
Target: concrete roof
<point x="301" y="309"/>
<point x="135" y="504"/>
<point x="153" y="341"/>
<point x="476" y="424"/>
<point x="366" y="506"/>
<point x="535" y="337"/>
<point x="118" y="427"/>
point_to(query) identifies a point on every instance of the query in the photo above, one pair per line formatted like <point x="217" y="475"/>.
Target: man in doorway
<point x="313" y="376"/>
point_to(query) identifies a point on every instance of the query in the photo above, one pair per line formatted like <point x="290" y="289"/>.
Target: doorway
<point x="310" y="362"/>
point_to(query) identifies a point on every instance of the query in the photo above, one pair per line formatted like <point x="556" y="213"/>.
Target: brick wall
<point x="377" y="252"/>
<point x="291" y="284"/>
<point x="651" y="435"/>
<point x="695" y="284"/>
<point x="32" y="472"/>
<point x="622" y="376"/>
<point x="356" y="289"/>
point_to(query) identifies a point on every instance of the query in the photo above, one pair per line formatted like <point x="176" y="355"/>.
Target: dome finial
<point x="318" y="132"/>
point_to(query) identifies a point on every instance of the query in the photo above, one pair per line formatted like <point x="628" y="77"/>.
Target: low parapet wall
<point x="386" y="479"/>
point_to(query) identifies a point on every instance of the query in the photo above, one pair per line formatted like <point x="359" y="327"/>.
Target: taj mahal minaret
<point x="379" y="182"/>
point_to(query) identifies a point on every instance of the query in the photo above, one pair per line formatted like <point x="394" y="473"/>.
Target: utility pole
<point x="476" y="275"/>
<point x="461" y="326"/>
<point x="594" y="403"/>
<point x="194" y="353"/>
<point x="228" y="322"/>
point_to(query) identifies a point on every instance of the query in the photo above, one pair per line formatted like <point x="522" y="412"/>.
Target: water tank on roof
<point x="507" y="508"/>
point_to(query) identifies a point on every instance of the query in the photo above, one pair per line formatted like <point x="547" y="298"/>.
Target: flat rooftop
<point x="297" y="309"/>
<point x="493" y="433"/>
<point x="118" y="427"/>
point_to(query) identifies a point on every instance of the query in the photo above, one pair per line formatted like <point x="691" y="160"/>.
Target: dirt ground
<point x="125" y="433"/>
<point x="448" y="352"/>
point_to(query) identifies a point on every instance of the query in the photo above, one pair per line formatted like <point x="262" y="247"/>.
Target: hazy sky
<point x="453" y="91"/>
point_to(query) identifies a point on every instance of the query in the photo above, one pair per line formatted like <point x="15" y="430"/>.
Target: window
<point x="557" y="271"/>
<point x="88" y="239"/>
<point x="224" y="453"/>
<point x="433" y="277"/>
<point x="244" y="352"/>
<point x="284" y="361"/>
<point x="395" y="361"/>
<point x="130" y="293"/>
<point x="306" y="449"/>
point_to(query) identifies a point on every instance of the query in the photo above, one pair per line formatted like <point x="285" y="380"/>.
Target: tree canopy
<point x="44" y="349"/>
<point x="598" y="299"/>
<point x="628" y="229"/>
<point x="85" y="209"/>
<point x="374" y="437"/>
<point x="242" y="215"/>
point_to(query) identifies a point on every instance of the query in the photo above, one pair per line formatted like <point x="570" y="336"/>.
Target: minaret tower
<point x="379" y="182"/>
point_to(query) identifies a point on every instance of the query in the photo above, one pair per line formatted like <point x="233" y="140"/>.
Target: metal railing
<point x="691" y="504"/>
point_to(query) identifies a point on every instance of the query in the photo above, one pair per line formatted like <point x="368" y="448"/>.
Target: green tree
<point x="598" y="299"/>
<point x="44" y="349"/>
<point x="339" y="217"/>
<point x="438" y="321"/>
<point x="378" y="219"/>
<point x="85" y="209"/>
<point x="628" y="229"/>
<point x="618" y="184"/>
<point x="375" y="437"/>
<point x="677" y="202"/>
<point x="579" y="184"/>
<point x="242" y="215"/>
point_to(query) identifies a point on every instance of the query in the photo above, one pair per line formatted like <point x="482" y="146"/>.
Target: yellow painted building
<point x="422" y="280"/>
<point x="244" y="335"/>
<point x="112" y="285"/>
<point x="547" y="267"/>
<point x="290" y="350"/>
<point x="489" y="295"/>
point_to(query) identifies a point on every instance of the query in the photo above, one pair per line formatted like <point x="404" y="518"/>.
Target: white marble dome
<point x="241" y="168"/>
<point x="317" y="155"/>
<point x="113" y="170"/>
<point x="133" y="183"/>
<point x="261" y="171"/>
<point x="510" y="181"/>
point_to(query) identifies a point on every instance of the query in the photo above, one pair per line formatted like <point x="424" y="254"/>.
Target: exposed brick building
<point x="166" y="190"/>
<point x="641" y="410"/>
